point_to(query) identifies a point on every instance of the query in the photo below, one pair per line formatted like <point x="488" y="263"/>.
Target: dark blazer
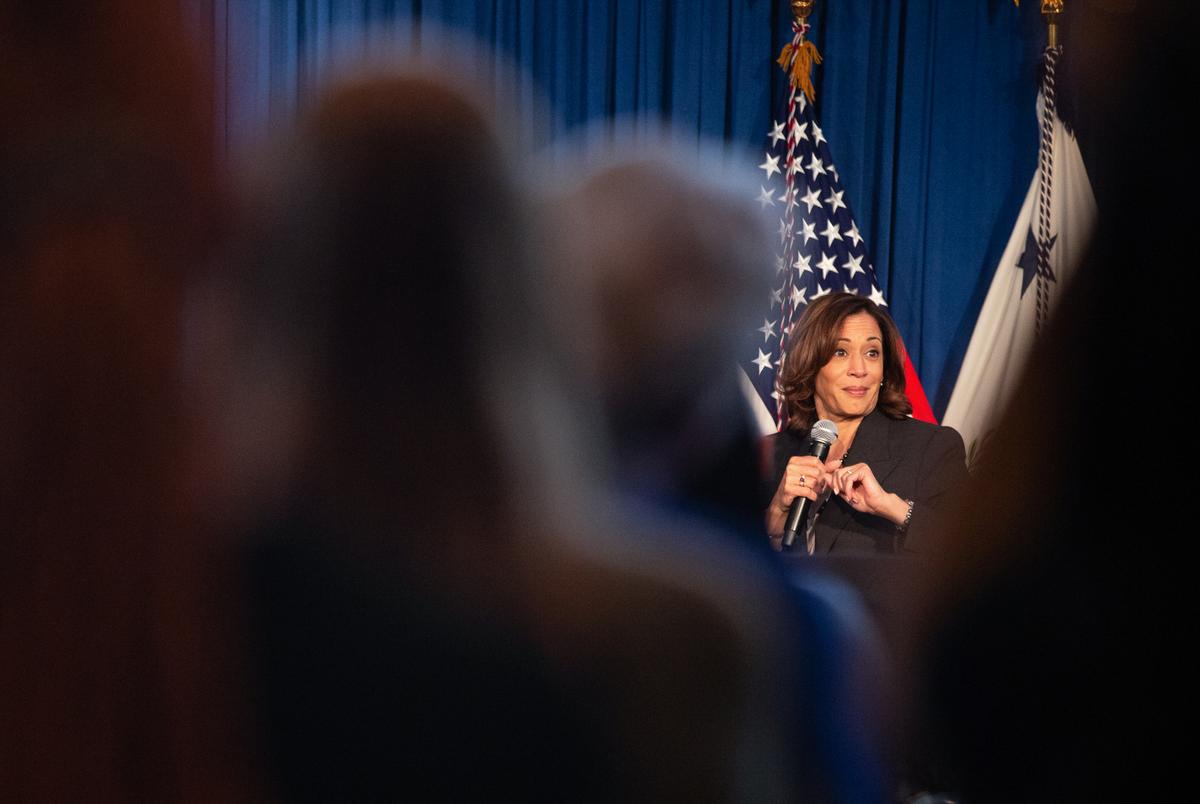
<point x="919" y="461"/>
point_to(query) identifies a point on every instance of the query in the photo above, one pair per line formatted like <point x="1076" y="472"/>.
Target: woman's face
<point x="848" y="385"/>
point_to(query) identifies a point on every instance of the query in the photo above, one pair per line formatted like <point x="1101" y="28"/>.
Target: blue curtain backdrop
<point x="928" y="105"/>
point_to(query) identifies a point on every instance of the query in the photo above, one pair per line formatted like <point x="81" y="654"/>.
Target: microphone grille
<point x="824" y="431"/>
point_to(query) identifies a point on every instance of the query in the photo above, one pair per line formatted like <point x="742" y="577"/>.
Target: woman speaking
<point x="887" y="474"/>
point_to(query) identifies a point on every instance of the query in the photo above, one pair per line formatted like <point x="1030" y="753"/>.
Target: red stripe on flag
<point x="916" y="393"/>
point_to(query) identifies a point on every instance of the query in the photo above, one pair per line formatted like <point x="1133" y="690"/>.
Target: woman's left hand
<point x="856" y="484"/>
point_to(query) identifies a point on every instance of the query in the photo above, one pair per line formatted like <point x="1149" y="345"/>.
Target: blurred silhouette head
<point x="664" y="271"/>
<point x="386" y="273"/>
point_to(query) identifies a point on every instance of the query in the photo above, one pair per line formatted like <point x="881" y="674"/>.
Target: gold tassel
<point x="798" y="62"/>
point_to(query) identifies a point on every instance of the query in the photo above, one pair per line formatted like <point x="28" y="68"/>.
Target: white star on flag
<point x="763" y="361"/>
<point x="777" y="133"/>
<point x="854" y="235"/>
<point x="802" y="264"/>
<point x="831" y="232"/>
<point x="854" y="266"/>
<point x="809" y="231"/>
<point x="815" y="167"/>
<point x="771" y="166"/>
<point x="826" y="265"/>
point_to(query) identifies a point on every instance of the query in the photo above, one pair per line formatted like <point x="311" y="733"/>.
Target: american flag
<point x="820" y="249"/>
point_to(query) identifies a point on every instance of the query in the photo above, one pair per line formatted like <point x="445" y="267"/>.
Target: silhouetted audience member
<point x="660" y="268"/>
<point x="440" y="605"/>
<point x="1055" y="636"/>
<point x="114" y="682"/>
<point x="669" y="267"/>
<point x="386" y="585"/>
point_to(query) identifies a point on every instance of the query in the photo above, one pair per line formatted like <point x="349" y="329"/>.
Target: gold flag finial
<point x="802" y="8"/>
<point x="798" y="57"/>
<point x="1052" y="10"/>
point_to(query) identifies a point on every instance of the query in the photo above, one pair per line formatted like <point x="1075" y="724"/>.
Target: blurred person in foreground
<point x="667" y="268"/>
<point x="887" y="476"/>
<point x="1053" y="647"/>
<point x="115" y="633"/>
<point x="660" y="266"/>
<point x="441" y="605"/>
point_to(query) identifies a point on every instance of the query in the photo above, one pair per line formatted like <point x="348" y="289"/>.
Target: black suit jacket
<point x="922" y="462"/>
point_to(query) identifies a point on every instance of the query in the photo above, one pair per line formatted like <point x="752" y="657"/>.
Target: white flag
<point x="1006" y="329"/>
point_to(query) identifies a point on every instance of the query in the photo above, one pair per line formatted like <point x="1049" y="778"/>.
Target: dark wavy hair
<point x="812" y="344"/>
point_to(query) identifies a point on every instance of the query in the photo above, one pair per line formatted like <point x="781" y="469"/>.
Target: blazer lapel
<point x="872" y="446"/>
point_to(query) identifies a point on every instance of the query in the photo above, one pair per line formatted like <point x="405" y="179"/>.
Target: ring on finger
<point x="803" y="480"/>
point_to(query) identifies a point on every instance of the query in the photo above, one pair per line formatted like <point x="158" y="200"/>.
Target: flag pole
<point x="1052" y="10"/>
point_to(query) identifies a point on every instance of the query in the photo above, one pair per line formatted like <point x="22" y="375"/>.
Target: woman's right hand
<point x="804" y="476"/>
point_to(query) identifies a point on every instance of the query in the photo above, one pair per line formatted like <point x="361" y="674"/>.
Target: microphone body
<point x="820" y="439"/>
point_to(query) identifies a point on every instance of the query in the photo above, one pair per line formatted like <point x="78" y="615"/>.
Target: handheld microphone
<point x="820" y="438"/>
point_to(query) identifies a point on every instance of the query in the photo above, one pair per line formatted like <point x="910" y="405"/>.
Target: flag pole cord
<point x="796" y="60"/>
<point x="1051" y="9"/>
